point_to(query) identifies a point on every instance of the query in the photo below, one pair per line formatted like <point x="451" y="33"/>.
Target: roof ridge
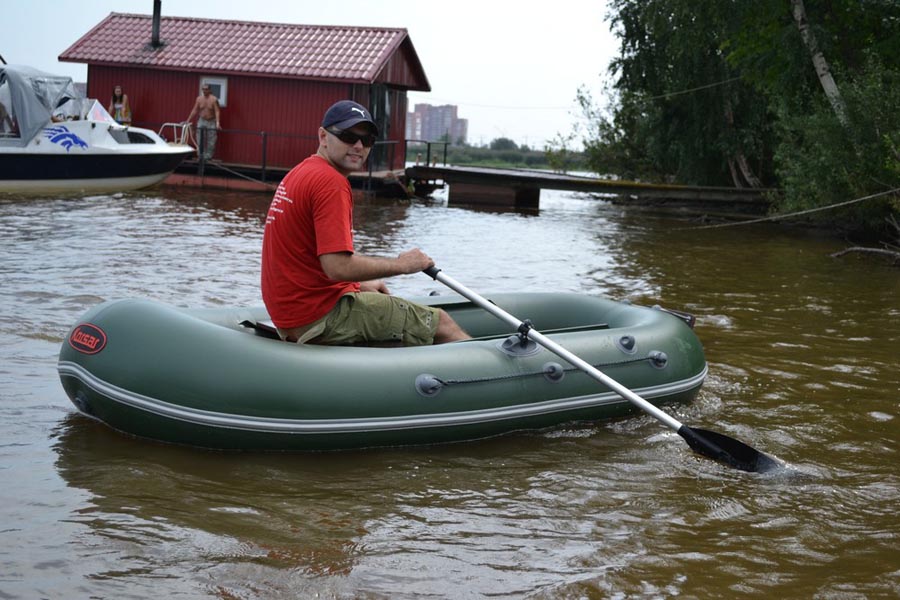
<point x="245" y="22"/>
<point x="254" y="48"/>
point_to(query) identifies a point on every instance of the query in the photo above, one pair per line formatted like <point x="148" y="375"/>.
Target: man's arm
<point x="216" y="108"/>
<point x="193" y="111"/>
<point x="344" y="266"/>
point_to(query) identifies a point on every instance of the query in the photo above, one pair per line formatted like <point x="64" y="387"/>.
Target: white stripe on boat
<point x="363" y="425"/>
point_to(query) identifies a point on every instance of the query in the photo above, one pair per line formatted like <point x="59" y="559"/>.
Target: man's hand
<point x="375" y="285"/>
<point x="413" y="261"/>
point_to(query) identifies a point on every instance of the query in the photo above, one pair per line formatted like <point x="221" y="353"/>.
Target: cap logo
<point x="360" y="111"/>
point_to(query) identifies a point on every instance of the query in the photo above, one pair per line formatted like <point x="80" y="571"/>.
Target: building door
<point x="380" y="107"/>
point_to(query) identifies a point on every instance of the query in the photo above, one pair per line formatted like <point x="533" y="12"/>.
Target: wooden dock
<point x="251" y="178"/>
<point x="522" y="189"/>
<point x="485" y="187"/>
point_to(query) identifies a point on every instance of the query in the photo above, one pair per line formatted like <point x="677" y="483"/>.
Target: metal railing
<point x="254" y="149"/>
<point x="180" y="132"/>
<point x="428" y="153"/>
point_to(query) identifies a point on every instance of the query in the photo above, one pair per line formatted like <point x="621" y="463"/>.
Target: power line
<point x="691" y="90"/>
<point x="572" y="106"/>
<point x="499" y="106"/>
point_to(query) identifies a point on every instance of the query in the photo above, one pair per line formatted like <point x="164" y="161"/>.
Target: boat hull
<point x="54" y="140"/>
<point x="87" y="173"/>
<point x="199" y="377"/>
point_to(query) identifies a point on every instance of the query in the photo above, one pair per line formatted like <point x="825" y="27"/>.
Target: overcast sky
<point x="512" y="68"/>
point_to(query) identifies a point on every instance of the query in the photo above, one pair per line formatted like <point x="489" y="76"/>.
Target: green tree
<point x="830" y="70"/>
<point x="826" y="159"/>
<point x="797" y="94"/>
<point x="558" y="151"/>
<point x="682" y="111"/>
<point x="503" y="143"/>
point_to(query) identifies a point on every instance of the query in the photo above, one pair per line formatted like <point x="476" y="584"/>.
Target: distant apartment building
<point x="433" y="123"/>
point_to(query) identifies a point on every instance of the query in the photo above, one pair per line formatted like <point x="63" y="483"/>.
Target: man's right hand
<point x="413" y="261"/>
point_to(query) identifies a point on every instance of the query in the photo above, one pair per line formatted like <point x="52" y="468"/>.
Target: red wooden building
<point x="274" y="80"/>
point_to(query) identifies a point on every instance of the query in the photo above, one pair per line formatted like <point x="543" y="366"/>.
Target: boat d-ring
<point x="658" y="359"/>
<point x="553" y="372"/>
<point x="627" y="344"/>
<point x="428" y="385"/>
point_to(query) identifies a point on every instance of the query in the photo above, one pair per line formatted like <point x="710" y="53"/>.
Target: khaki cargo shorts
<point x="369" y="318"/>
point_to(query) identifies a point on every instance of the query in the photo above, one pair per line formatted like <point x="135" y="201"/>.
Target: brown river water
<point x="802" y="351"/>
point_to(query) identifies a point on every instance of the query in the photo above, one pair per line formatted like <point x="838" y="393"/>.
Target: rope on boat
<point x="445" y="382"/>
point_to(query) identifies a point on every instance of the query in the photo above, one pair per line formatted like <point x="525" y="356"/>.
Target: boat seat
<point x="262" y="328"/>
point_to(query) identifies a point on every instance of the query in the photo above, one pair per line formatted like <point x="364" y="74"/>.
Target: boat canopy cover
<point x="31" y="98"/>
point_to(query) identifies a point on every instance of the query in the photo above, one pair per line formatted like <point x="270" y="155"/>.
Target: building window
<point x="218" y="87"/>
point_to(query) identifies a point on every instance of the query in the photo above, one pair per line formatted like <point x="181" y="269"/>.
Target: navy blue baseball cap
<point x="347" y="113"/>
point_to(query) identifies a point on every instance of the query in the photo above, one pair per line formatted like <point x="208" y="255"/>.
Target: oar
<point x="707" y="443"/>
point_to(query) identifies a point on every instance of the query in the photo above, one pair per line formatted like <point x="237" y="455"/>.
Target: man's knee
<point x="448" y="330"/>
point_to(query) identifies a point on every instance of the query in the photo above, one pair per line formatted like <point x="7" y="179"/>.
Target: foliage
<point x="616" y="146"/>
<point x="724" y="92"/>
<point x="559" y="153"/>
<point x="822" y="163"/>
<point x="682" y="113"/>
<point x="503" y="143"/>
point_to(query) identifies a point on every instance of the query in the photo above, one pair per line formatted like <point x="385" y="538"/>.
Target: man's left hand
<point x="376" y="285"/>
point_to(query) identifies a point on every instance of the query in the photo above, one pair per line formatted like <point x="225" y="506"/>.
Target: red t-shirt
<point x="310" y="215"/>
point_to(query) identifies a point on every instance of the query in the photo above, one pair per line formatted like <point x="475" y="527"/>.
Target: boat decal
<point x="87" y="338"/>
<point x="60" y="134"/>
<point x="362" y="425"/>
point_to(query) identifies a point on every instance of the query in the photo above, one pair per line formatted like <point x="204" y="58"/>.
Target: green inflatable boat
<point x="220" y="378"/>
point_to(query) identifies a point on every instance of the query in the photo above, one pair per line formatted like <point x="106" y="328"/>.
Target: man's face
<point x="205" y="90"/>
<point x="344" y="157"/>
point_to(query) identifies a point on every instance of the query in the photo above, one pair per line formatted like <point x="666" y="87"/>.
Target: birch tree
<point x="823" y="71"/>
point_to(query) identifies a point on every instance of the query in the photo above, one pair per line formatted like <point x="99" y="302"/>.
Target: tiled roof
<point x="275" y="49"/>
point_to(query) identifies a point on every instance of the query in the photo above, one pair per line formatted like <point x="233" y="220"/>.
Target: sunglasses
<point x="350" y="138"/>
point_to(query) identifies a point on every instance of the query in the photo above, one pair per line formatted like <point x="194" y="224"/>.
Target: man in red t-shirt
<point x="315" y="286"/>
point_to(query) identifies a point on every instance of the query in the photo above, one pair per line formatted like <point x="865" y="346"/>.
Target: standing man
<point x="207" y="107"/>
<point x="315" y="286"/>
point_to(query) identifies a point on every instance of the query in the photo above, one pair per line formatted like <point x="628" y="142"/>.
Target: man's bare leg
<point x="448" y="330"/>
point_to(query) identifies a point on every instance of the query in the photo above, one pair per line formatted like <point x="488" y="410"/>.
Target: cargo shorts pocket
<point x="369" y="317"/>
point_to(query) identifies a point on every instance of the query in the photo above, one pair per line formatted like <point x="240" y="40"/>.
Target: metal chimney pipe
<point x="157" y="9"/>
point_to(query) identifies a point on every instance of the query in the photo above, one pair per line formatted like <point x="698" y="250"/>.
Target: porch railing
<point x="255" y="149"/>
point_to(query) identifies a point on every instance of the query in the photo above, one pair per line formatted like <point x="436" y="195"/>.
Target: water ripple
<point x="802" y="366"/>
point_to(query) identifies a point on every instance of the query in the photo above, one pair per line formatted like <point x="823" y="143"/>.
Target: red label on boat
<point x="88" y="339"/>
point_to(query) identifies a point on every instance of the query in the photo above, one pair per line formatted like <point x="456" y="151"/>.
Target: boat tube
<point x="220" y="378"/>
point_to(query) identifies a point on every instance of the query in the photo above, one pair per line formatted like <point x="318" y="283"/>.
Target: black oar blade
<point x="727" y="450"/>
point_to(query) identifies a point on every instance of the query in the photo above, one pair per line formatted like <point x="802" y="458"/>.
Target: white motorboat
<point x="53" y="140"/>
